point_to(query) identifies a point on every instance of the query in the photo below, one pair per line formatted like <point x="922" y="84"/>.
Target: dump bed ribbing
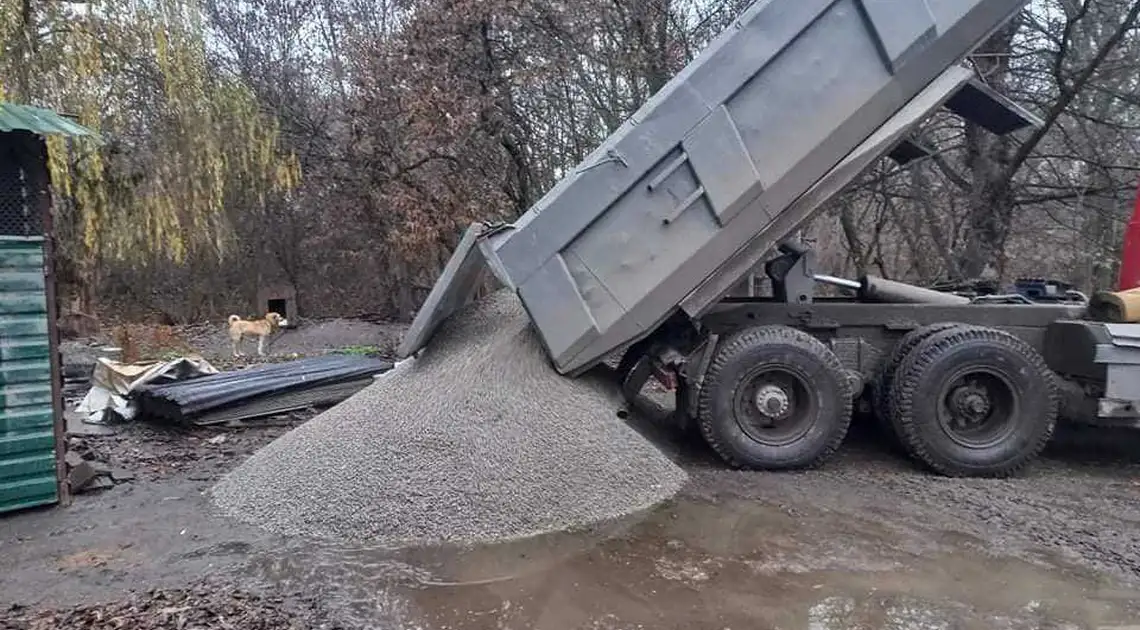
<point x="778" y="113"/>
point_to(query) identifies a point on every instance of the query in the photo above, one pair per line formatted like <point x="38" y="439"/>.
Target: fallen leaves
<point x="200" y="607"/>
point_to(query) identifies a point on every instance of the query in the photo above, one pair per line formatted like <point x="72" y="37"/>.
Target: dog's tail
<point x="234" y="318"/>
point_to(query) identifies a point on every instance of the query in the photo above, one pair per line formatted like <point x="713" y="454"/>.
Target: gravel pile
<point x="477" y="440"/>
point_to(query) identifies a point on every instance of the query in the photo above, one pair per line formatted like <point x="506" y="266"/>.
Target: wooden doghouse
<point x="280" y="299"/>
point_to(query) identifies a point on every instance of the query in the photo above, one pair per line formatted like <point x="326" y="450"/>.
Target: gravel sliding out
<point x="476" y="440"/>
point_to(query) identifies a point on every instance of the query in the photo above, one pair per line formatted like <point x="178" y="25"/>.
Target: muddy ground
<point x="868" y="541"/>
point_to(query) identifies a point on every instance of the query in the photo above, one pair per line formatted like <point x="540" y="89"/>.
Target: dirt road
<point x="867" y="542"/>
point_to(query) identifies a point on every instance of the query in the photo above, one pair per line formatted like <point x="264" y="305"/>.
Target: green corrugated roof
<point x="38" y="120"/>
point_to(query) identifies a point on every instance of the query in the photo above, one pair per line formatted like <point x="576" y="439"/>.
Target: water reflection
<point x="697" y="564"/>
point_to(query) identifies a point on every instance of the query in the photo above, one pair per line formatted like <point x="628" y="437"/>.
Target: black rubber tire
<point x="916" y="400"/>
<point x="780" y="347"/>
<point x="881" y="388"/>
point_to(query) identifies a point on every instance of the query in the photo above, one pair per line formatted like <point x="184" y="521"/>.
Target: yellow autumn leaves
<point x="181" y="143"/>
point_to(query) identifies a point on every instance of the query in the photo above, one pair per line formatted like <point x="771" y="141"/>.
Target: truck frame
<point x="967" y="387"/>
<point x="637" y="251"/>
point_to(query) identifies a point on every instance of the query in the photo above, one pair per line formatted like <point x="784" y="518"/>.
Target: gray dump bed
<point x="778" y="114"/>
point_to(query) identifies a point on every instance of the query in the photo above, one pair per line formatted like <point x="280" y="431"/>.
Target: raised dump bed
<point x="781" y="111"/>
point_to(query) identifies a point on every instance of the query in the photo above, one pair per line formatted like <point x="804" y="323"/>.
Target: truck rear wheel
<point x="881" y="391"/>
<point x="974" y="401"/>
<point x="774" y="398"/>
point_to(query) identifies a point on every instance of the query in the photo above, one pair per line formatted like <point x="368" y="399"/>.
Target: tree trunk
<point x="25" y="53"/>
<point x="991" y="205"/>
<point x="856" y="250"/>
<point x="87" y="287"/>
<point x="990" y="197"/>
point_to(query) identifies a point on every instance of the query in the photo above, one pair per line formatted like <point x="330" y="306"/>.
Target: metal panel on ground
<point x="188" y="400"/>
<point x="27" y="418"/>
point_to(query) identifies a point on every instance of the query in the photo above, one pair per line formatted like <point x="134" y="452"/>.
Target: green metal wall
<point x="28" y="474"/>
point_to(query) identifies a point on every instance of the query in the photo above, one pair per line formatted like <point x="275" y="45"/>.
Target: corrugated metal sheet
<point x="38" y="120"/>
<point x="27" y="438"/>
<point x="193" y="399"/>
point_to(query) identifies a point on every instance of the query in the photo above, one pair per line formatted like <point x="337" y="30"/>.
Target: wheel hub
<point x="971" y="403"/>
<point x="772" y="401"/>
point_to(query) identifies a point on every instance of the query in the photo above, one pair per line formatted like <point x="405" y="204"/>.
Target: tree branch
<point x="1067" y="95"/>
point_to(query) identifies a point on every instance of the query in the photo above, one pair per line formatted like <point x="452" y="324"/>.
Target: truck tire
<point x="974" y="402"/>
<point x="881" y="389"/>
<point x="774" y="398"/>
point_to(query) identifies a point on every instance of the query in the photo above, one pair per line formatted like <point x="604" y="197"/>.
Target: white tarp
<point x="113" y="382"/>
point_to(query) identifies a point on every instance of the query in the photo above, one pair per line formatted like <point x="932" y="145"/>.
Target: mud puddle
<point x="711" y="564"/>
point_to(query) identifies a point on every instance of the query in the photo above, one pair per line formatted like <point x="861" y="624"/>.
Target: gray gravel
<point x="477" y="440"/>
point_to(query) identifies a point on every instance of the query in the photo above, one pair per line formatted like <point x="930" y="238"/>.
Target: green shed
<point x="32" y="471"/>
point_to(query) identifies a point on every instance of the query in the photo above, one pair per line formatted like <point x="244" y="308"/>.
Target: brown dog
<point x="260" y="328"/>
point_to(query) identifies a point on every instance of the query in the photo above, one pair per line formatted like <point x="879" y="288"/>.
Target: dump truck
<point x="636" y="252"/>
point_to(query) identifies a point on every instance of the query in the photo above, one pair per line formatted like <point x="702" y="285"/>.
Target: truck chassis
<point x="966" y="387"/>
